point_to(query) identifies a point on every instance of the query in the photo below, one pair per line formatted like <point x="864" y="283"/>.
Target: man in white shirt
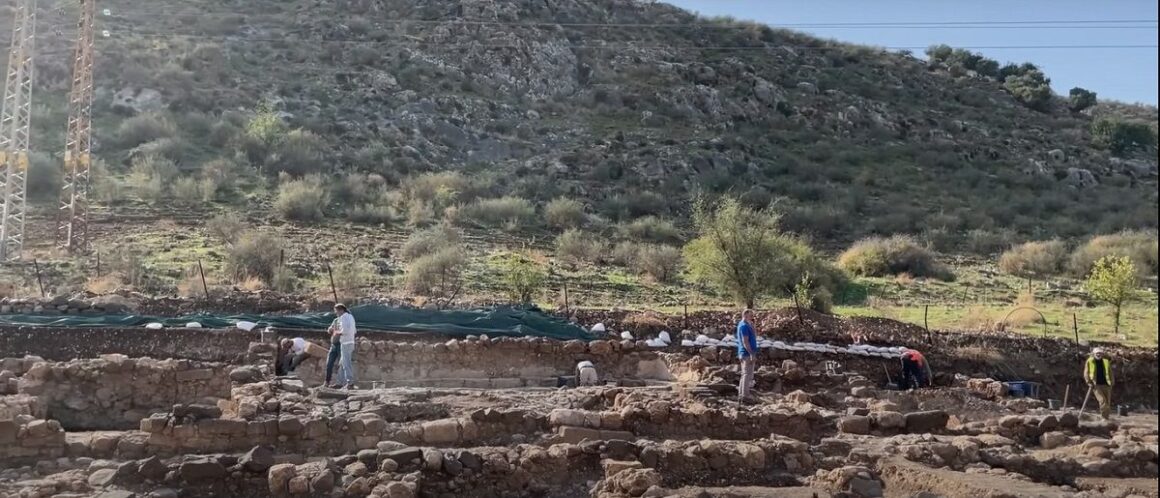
<point x="586" y="374"/>
<point x="345" y="333"/>
<point x="292" y="352"/>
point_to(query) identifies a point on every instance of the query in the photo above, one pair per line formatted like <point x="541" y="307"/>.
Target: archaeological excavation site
<point x="131" y="411"/>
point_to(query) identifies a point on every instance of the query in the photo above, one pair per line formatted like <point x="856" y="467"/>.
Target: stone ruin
<point x="484" y="417"/>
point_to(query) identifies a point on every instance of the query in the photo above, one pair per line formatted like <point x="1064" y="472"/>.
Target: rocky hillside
<point x="542" y="99"/>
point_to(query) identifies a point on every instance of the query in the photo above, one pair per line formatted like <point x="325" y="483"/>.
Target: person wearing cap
<point x="1098" y="374"/>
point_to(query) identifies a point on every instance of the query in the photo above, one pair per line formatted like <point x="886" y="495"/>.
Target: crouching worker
<point x="915" y="371"/>
<point x="586" y="374"/>
<point x="294" y="351"/>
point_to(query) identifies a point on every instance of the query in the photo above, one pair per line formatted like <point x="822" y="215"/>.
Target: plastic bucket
<point x="1122" y="410"/>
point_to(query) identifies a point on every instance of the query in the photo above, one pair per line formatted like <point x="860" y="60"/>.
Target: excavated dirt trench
<point x="485" y="419"/>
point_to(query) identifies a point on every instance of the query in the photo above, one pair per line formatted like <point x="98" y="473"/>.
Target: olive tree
<point x="1113" y="281"/>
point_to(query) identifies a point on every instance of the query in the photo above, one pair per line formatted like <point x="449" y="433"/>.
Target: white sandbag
<point x="664" y="336"/>
<point x="193" y="325"/>
<point x="598" y="328"/>
<point x="687" y="343"/>
<point x="247" y="326"/>
<point x="154" y="326"/>
<point x="626" y="335"/>
<point x="702" y="339"/>
<point x="656" y="343"/>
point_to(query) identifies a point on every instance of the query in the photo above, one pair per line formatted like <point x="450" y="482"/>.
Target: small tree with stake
<point x="523" y="278"/>
<point x="1113" y="281"/>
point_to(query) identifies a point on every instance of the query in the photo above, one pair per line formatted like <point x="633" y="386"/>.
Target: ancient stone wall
<point x="116" y="392"/>
<point x="62" y="344"/>
<point x="25" y="437"/>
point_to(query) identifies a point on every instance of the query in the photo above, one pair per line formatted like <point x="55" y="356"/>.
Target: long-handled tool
<point x="1085" y="400"/>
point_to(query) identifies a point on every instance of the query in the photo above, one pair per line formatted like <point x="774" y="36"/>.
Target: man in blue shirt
<point x="747" y="353"/>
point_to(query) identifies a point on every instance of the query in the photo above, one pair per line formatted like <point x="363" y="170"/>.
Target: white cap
<point x="1098" y="351"/>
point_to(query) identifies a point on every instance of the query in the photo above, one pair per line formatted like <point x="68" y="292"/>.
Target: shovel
<point x="1085" y="400"/>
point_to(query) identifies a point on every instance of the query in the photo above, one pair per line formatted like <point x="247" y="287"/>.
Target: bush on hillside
<point x="661" y="262"/>
<point x="255" y="254"/>
<point x="1121" y="137"/>
<point x="438" y="275"/>
<point x="575" y="246"/>
<point x="897" y="255"/>
<point x="523" y="278"/>
<point x="44" y="177"/>
<point x="1032" y="89"/>
<point x="188" y="192"/>
<point x="1140" y="247"/>
<point x="429" y="241"/>
<point x="144" y="128"/>
<point x="564" y="213"/>
<point x="151" y="178"/>
<point x="300" y="153"/>
<point x="1079" y="99"/>
<point x="302" y="200"/>
<point x="741" y="252"/>
<point x="225" y="227"/>
<point x="1035" y="259"/>
<point x="504" y="212"/>
<point x="650" y="229"/>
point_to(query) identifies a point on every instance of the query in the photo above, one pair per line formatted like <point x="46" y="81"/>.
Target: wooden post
<point x="566" y="308"/>
<point x="926" y="323"/>
<point x="798" y="305"/>
<point x="98" y="264"/>
<point x="333" y="289"/>
<point x="39" y="280"/>
<point x="1075" y="327"/>
<point x="281" y="258"/>
<point x="1066" y="394"/>
<point x="204" y="287"/>
<point x="686" y="320"/>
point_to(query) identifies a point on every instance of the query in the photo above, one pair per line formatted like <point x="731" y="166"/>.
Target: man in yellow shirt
<point x="1098" y="374"/>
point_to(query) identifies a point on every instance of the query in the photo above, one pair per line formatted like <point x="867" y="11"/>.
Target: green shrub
<point x="438" y="275"/>
<point x="1121" y="137"/>
<point x="575" y="246"/>
<point x="650" y="229"/>
<point x="1079" y="99"/>
<point x="880" y="257"/>
<point x="661" y="262"/>
<point x="371" y="214"/>
<point x="144" y="128"/>
<point x="429" y="241"/>
<point x="300" y="153"/>
<point x="225" y="227"/>
<point x="44" y="177"/>
<point x="1140" y="247"/>
<point x="987" y="242"/>
<point x="564" y="213"/>
<point x="506" y="212"/>
<point x="1032" y="89"/>
<point x="1042" y="258"/>
<point x="301" y="200"/>
<point x="151" y="177"/>
<point x="188" y="191"/>
<point x="255" y="254"/>
<point x="741" y="252"/>
<point x="523" y="278"/>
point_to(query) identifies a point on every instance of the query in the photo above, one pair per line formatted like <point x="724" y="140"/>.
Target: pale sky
<point x="1125" y="74"/>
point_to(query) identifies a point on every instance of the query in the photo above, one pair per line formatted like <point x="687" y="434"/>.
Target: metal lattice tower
<point x="14" y="128"/>
<point x="73" y="230"/>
